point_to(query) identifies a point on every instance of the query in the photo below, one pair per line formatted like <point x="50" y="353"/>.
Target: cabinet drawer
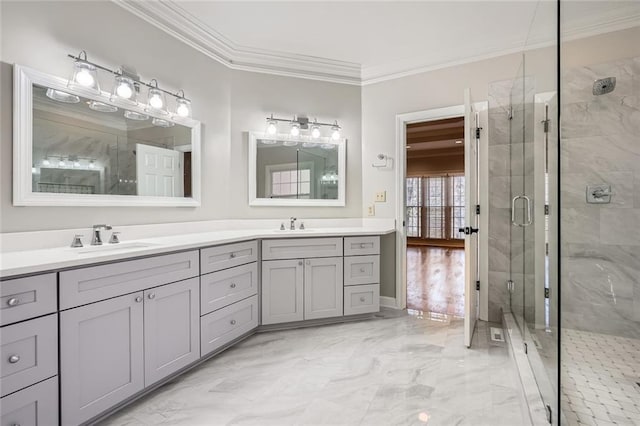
<point x="222" y="326"/>
<point x="29" y="353"/>
<point x="29" y="297"/>
<point x="36" y="405"/>
<point x="223" y="288"/>
<point x="87" y="285"/>
<point x="361" y="299"/>
<point x="301" y="248"/>
<point x="223" y="257"/>
<point x="355" y="246"/>
<point x="361" y="270"/>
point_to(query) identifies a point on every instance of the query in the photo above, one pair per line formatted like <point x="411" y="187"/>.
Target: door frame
<point x="402" y="120"/>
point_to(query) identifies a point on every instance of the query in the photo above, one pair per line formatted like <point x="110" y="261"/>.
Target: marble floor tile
<point x="395" y="370"/>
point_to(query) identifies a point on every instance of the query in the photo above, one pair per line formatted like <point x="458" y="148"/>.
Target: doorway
<point x="435" y="197"/>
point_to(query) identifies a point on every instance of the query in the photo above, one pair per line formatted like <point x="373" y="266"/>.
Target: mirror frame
<point x="253" y="138"/>
<point x="23" y="80"/>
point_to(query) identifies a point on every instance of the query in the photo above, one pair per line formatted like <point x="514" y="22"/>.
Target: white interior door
<point x="471" y="123"/>
<point x="159" y="171"/>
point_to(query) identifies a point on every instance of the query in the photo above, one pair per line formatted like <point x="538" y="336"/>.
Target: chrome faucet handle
<point x="282" y="226"/>
<point x="77" y="242"/>
<point x="301" y="227"/>
<point x="114" y="238"/>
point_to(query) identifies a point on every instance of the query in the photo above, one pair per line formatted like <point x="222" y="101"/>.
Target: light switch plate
<point x="371" y="210"/>
<point x="381" y="197"/>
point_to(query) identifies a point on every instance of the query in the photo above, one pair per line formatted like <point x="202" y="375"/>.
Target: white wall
<point x="41" y="34"/>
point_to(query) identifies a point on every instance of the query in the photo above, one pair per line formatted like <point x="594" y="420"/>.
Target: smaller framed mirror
<point x="288" y="171"/>
<point x="73" y="147"/>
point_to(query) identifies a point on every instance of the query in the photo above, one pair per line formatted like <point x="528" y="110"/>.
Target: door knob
<point x="138" y="299"/>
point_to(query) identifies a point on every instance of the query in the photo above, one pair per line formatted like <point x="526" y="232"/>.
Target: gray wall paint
<point x="40" y="34"/>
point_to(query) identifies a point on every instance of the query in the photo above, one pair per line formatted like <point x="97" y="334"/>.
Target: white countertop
<point x="32" y="261"/>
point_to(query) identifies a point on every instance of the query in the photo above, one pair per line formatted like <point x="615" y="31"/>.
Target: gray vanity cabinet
<point x="101" y="356"/>
<point x="323" y="290"/>
<point x="282" y="291"/>
<point x="171" y="328"/>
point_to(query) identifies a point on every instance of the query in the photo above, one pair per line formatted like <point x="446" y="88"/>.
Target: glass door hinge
<point x="477" y="208"/>
<point x="478" y="132"/>
<point x="477" y="285"/>
<point x="546" y="209"/>
<point x="510" y="285"/>
<point x="547" y="293"/>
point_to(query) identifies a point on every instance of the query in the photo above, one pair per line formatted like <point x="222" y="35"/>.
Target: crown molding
<point x="168" y="16"/>
<point x="172" y="19"/>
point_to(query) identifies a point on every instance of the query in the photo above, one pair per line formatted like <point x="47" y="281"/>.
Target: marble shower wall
<point x="601" y="242"/>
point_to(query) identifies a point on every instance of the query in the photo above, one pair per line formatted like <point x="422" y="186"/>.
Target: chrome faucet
<point x="292" y="225"/>
<point x="97" y="238"/>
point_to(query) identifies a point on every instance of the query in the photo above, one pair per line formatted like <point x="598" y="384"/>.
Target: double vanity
<point x="86" y="336"/>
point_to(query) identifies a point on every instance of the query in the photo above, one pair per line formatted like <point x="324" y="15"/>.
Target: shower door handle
<point x="529" y="219"/>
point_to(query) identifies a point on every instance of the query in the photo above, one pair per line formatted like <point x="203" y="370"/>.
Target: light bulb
<point x="46" y="162"/>
<point x="295" y="129"/>
<point x="335" y="135"/>
<point x="272" y="128"/>
<point x="155" y="101"/>
<point x="182" y="110"/>
<point x="76" y="164"/>
<point x="124" y="91"/>
<point x="92" y="164"/>
<point x="84" y="78"/>
<point x="61" y="163"/>
<point x="315" y="132"/>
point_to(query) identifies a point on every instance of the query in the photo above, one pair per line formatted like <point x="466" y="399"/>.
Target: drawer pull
<point x="138" y="299"/>
<point x="362" y="299"/>
<point x="13" y="301"/>
<point x="232" y="255"/>
<point x="361" y="269"/>
<point x="233" y="285"/>
<point x="13" y="359"/>
<point x="233" y="322"/>
<point x="362" y="245"/>
<point x="151" y="296"/>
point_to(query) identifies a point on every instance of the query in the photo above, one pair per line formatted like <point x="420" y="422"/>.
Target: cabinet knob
<point x="362" y="299"/>
<point x="300" y="263"/>
<point x="361" y="269"/>
<point x="232" y="255"/>
<point x="233" y="322"/>
<point x="138" y="299"/>
<point x="13" y="359"/>
<point x="151" y="296"/>
<point x="362" y="245"/>
<point x="13" y="301"/>
<point x="233" y="285"/>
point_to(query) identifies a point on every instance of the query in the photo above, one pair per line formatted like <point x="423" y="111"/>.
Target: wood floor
<point x="435" y="279"/>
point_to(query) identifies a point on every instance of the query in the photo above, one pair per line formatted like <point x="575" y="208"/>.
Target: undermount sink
<point x="111" y="247"/>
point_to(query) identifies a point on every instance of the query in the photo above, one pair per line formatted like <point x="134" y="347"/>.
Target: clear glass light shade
<point x="124" y="89"/>
<point x="156" y="101"/>
<point x="162" y="123"/>
<point x="60" y="96"/>
<point x="290" y="143"/>
<point x="92" y="164"/>
<point x="183" y="107"/>
<point x="335" y="132"/>
<point x="102" y="107"/>
<point x="272" y="127"/>
<point x="61" y="163"/>
<point x="46" y="162"/>
<point x="132" y="115"/>
<point x="295" y="129"/>
<point x="85" y="76"/>
<point x="315" y="131"/>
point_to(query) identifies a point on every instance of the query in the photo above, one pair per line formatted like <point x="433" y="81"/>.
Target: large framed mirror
<point x="77" y="148"/>
<point x="288" y="171"/>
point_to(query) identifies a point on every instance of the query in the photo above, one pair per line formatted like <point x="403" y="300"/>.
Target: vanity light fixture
<point x="313" y="130"/>
<point x="85" y="74"/>
<point x="60" y="96"/>
<point x="125" y="88"/>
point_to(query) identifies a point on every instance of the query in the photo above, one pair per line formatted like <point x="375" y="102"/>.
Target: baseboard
<point x="388" y="302"/>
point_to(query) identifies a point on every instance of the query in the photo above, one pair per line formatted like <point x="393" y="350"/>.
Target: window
<point x="435" y="207"/>
<point x="291" y="183"/>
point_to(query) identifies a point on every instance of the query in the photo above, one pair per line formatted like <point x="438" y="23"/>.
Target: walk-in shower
<point x="565" y="147"/>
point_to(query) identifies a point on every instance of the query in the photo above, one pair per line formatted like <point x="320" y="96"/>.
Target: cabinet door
<point x="171" y="328"/>
<point x="282" y="291"/>
<point x="323" y="290"/>
<point x="101" y="356"/>
<point x="36" y="405"/>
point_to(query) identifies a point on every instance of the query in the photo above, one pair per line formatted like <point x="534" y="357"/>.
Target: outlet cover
<point x="371" y="210"/>
<point x="381" y="197"/>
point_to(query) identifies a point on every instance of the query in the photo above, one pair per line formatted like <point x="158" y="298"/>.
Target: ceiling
<point x="363" y="42"/>
<point x="433" y="137"/>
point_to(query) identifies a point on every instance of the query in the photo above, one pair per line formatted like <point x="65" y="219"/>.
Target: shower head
<point x="604" y="85"/>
